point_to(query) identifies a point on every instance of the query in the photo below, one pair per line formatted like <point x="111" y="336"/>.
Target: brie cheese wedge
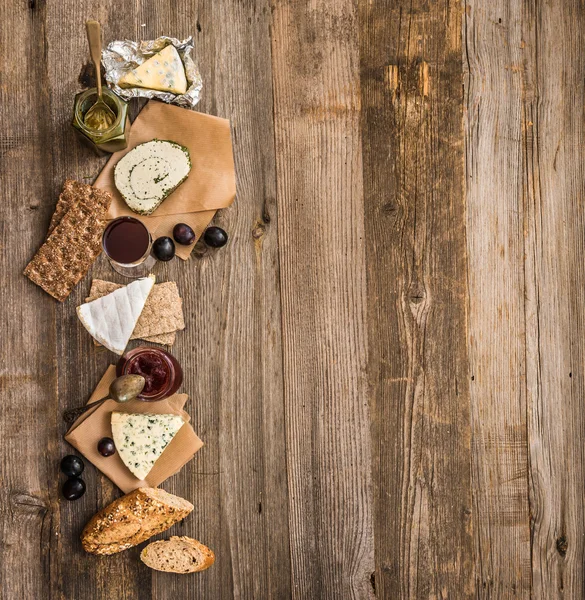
<point x="111" y="319"/>
<point x="140" y="439"/>
<point x="150" y="172"/>
<point x="163" y="72"/>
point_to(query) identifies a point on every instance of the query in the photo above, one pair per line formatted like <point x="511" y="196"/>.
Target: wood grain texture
<point x="315" y="59"/>
<point x="417" y="290"/>
<point x="498" y="57"/>
<point x="28" y="381"/>
<point x="553" y="138"/>
<point x="525" y="231"/>
<point x="386" y="361"/>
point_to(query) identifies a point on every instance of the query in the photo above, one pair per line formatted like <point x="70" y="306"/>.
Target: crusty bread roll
<point x="177" y="555"/>
<point x="133" y="519"/>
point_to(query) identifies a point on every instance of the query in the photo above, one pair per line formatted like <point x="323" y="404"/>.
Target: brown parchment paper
<point x="91" y="427"/>
<point x="211" y="184"/>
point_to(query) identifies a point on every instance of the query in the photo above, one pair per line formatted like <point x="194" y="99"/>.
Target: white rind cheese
<point x="140" y="439"/>
<point x="111" y="319"/>
<point x="150" y="172"/>
<point x="163" y="72"/>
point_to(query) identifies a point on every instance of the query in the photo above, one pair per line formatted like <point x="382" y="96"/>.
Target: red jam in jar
<point x="160" y="369"/>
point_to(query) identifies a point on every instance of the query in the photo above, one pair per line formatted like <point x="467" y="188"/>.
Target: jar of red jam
<point x="162" y="372"/>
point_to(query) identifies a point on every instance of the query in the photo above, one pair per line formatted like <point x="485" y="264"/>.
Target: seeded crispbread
<point x="73" y="245"/>
<point x="161" y="317"/>
<point x="76" y="192"/>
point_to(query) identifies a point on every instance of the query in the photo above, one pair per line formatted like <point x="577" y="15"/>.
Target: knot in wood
<point x="389" y="208"/>
<point x="26" y="503"/>
<point x="258" y="231"/>
<point x="200" y="249"/>
<point x="417" y="293"/>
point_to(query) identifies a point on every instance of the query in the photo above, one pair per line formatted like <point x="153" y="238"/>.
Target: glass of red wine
<point x="127" y="244"/>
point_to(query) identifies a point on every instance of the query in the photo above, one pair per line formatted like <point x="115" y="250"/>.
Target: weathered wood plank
<point x="497" y="52"/>
<point x="28" y="381"/>
<point x="411" y="77"/>
<point x="553" y="138"/>
<point x="322" y="264"/>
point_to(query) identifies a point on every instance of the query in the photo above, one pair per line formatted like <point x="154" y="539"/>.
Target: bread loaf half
<point x="133" y="519"/>
<point x="177" y="555"/>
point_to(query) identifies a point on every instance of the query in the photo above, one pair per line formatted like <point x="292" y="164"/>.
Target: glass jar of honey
<point x="103" y="141"/>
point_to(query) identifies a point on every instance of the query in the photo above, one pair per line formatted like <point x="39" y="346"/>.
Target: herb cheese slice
<point x="150" y="172"/>
<point x="140" y="439"/>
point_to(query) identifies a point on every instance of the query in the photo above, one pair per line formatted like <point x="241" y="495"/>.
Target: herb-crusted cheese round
<point x="150" y="172"/>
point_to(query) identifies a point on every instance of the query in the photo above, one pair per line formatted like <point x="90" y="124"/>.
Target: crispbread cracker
<point x="161" y="317"/>
<point x="166" y="339"/>
<point x="73" y="246"/>
<point x="164" y="312"/>
<point x="76" y="192"/>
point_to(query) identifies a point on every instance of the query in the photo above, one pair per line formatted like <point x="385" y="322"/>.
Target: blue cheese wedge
<point x="163" y="72"/>
<point x="141" y="438"/>
<point x="150" y="172"/>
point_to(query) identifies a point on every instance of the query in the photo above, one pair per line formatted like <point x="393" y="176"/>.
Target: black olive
<point x="73" y="488"/>
<point x="164" y="248"/>
<point x="72" y="466"/>
<point x="106" y="446"/>
<point x="183" y="234"/>
<point x="215" y="237"/>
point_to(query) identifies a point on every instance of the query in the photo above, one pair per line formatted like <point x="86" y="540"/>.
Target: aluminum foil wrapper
<point x="124" y="55"/>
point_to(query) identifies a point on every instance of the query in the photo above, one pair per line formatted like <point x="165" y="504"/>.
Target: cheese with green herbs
<point x="140" y="439"/>
<point x="150" y="172"/>
<point x="163" y="72"/>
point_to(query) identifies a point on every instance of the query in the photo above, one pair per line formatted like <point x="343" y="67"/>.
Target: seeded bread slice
<point x="132" y="519"/>
<point x="177" y="555"/>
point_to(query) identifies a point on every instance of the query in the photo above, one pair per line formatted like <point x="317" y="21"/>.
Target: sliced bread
<point x="177" y="555"/>
<point x="132" y="519"/>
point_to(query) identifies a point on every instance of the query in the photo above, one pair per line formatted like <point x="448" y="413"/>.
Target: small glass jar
<point x="161" y="370"/>
<point x="107" y="140"/>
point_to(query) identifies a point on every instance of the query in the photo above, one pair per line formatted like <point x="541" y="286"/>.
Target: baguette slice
<point x="177" y="555"/>
<point x="132" y="519"/>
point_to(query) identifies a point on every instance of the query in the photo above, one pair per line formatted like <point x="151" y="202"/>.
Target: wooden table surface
<point x="386" y="363"/>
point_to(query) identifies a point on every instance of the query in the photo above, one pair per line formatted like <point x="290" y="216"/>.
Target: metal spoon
<point x="122" y="389"/>
<point x="100" y="116"/>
